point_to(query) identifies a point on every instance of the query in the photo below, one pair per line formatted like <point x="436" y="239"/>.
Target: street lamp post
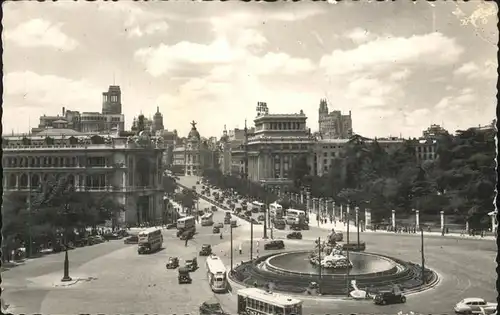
<point x="266" y="211"/>
<point x="231" y="236"/>
<point x="357" y="223"/>
<point x="319" y="260"/>
<point x="348" y="271"/>
<point x="251" y="240"/>
<point x="422" y="252"/>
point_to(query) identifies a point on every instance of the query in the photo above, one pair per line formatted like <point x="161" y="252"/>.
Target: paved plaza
<point x="115" y="279"/>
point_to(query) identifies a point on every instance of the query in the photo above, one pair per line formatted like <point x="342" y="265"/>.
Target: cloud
<point x="461" y="99"/>
<point x="358" y="35"/>
<point x="279" y="63"/>
<point x="39" y="33"/>
<point x="382" y="53"/>
<point x="149" y="29"/>
<point x="471" y="70"/>
<point x="39" y="92"/>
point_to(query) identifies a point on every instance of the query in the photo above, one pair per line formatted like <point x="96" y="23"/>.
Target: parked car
<point x="294" y="235"/>
<point x="192" y="264"/>
<point x="219" y="225"/>
<point x="171" y="226"/>
<point x="172" y="263"/>
<point x="184" y="276"/>
<point x="389" y="297"/>
<point x="133" y="239"/>
<point x="472" y="305"/>
<point x="211" y="308"/>
<point x="276" y="244"/>
<point x="215" y="230"/>
<point x="213" y="208"/>
<point x="206" y="250"/>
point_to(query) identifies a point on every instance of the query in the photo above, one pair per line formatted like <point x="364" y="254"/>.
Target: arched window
<point x="12" y="180"/>
<point x="71" y="180"/>
<point x="35" y="180"/>
<point x="23" y="181"/>
<point x="49" y="161"/>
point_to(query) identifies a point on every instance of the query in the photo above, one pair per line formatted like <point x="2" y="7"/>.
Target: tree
<point x="141" y="123"/>
<point x="300" y="169"/>
<point x="169" y="184"/>
<point x="186" y="198"/>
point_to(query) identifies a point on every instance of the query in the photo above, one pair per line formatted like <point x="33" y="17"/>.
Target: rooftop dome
<point x="194" y="133"/>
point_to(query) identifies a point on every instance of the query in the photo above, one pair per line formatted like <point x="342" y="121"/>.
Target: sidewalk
<point x="340" y="227"/>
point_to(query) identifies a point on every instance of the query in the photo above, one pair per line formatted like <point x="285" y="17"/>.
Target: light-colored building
<point x="127" y="169"/>
<point x="278" y="140"/>
<point x="195" y="154"/>
<point x="109" y="120"/>
<point x="326" y="150"/>
<point x="333" y="125"/>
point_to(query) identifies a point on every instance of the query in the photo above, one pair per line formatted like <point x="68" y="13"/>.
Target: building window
<point x="325" y="154"/>
<point x="325" y="162"/>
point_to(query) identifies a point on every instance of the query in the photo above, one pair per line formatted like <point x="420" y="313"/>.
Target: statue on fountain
<point x="334" y="260"/>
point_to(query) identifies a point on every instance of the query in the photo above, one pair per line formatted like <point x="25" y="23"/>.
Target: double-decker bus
<point x="186" y="224"/>
<point x="207" y="219"/>
<point x="276" y="210"/>
<point x="217" y="275"/>
<point x="150" y="240"/>
<point x="292" y="216"/>
<point x="254" y="301"/>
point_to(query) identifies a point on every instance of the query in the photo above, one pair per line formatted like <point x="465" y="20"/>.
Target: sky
<point x="397" y="66"/>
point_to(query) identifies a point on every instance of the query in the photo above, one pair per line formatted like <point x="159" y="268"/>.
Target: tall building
<point x="112" y="100"/>
<point x="433" y="132"/>
<point x="195" y="154"/>
<point x="274" y="146"/>
<point x="110" y="120"/>
<point x="127" y="170"/>
<point x="333" y="125"/>
<point x="157" y="121"/>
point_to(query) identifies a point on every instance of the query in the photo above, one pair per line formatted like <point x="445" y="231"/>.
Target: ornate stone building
<point x="333" y="125"/>
<point x="127" y="169"/>
<point x="195" y="154"/>
<point x="276" y="143"/>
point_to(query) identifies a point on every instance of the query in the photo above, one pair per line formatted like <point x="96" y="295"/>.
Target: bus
<point x="255" y="301"/>
<point x="292" y="215"/>
<point x="186" y="224"/>
<point x="150" y="240"/>
<point x="207" y="219"/>
<point x="276" y="210"/>
<point x="259" y="206"/>
<point x="217" y="275"/>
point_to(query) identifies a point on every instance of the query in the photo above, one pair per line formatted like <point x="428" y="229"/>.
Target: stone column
<point x="281" y="166"/>
<point x="341" y="213"/>
<point x="417" y="219"/>
<point x="442" y="220"/>
<point x="17" y="181"/>
<point x="308" y="202"/>
<point x="333" y="210"/>
<point x="357" y="216"/>
<point x="394" y="219"/>
<point x="347" y="212"/>
<point x="302" y="197"/>
<point x="368" y="218"/>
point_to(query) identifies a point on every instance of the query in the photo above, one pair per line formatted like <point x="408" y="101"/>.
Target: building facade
<point x="109" y="120"/>
<point x="195" y="154"/>
<point x="333" y="125"/>
<point x="129" y="170"/>
<point x="278" y="140"/>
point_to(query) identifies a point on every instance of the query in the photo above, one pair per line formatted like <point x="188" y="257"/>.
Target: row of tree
<point x="53" y="210"/>
<point x="460" y="181"/>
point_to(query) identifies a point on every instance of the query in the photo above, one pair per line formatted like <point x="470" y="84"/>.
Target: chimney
<point x="63" y="111"/>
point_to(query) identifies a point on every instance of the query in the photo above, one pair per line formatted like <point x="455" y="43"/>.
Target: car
<point x="191" y="264"/>
<point x="112" y="236"/>
<point x="294" y="235"/>
<point x="473" y="305"/>
<point x="261" y="217"/>
<point x="354" y="247"/>
<point x="213" y="208"/>
<point x="215" y="230"/>
<point x="211" y="307"/>
<point x="295" y="227"/>
<point x="389" y="297"/>
<point x="227" y="220"/>
<point x="219" y="225"/>
<point x="184" y="276"/>
<point x="206" y="250"/>
<point x="172" y="263"/>
<point x="276" y="244"/>
<point x="171" y="226"/>
<point x="143" y="249"/>
<point x="133" y="239"/>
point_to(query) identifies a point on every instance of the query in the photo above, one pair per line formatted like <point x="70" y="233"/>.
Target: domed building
<point x="194" y="155"/>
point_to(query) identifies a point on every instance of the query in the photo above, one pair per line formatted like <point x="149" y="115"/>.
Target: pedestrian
<point x="240" y="249"/>
<point x="186" y="244"/>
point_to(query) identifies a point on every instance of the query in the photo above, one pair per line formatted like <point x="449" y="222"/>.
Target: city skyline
<point x="230" y="56"/>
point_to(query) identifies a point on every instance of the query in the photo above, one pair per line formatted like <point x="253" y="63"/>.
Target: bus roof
<point x="207" y="215"/>
<point x="296" y="210"/>
<point x="257" y="203"/>
<point x="268" y="297"/>
<point x="215" y="265"/>
<point x="149" y="230"/>
<point x="186" y="218"/>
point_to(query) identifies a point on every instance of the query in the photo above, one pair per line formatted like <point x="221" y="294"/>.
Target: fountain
<point x="335" y="260"/>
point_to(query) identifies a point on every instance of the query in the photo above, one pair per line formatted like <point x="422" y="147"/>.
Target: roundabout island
<point x="328" y="270"/>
